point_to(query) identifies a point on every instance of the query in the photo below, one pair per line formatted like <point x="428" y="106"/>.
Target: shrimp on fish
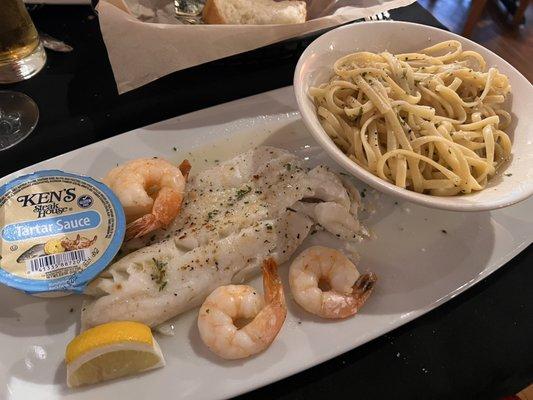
<point x="226" y="304"/>
<point x="348" y="289"/>
<point x="150" y="190"/>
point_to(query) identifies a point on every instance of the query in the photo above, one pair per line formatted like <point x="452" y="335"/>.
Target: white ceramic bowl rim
<point x="455" y="203"/>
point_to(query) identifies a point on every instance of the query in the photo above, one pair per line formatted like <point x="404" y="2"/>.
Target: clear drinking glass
<point x="21" y="56"/>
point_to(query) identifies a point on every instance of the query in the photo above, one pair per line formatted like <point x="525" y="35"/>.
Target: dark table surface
<point x="477" y="346"/>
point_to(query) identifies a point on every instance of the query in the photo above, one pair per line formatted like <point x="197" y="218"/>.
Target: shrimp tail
<point x="363" y="289"/>
<point x="141" y="226"/>
<point x="267" y="324"/>
<point x="162" y="215"/>
<point x="185" y="168"/>
<point x="272" y="283"/>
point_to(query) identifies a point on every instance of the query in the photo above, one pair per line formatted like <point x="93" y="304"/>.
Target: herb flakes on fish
<point x="243" y="192"/>
<point x="159" y="277"/>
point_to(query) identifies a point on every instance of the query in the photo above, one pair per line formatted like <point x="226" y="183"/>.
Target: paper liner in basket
<point x="142" y="49"/>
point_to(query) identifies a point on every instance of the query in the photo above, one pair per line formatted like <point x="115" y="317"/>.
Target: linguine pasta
<point x="430" y="121"/>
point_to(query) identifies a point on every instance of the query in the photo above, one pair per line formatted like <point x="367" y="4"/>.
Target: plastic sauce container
<point x="58" y="232"/>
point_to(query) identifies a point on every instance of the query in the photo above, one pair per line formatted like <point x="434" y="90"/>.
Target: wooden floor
<point x="492" y="31"/>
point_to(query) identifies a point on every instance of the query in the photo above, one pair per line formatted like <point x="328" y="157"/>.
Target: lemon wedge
<point x="111" y="351"/>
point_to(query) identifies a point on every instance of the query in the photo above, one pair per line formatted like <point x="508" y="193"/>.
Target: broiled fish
<point x="259" y="204"/>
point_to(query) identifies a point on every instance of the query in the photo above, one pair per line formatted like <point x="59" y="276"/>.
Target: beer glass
<point x="21" y="53"/>
<point x="21" y="56"/>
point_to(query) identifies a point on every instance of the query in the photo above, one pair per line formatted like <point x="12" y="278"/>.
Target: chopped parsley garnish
<point x="243" y="192"/>
<point x="160" y="274"/>
<point x="211" y="214"/>
<point x="288" y="166"/>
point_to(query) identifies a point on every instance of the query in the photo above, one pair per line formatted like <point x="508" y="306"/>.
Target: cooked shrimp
<point x="227" y="304"/>
<point x="151" y="191"/>
<point x="318" y="264"/>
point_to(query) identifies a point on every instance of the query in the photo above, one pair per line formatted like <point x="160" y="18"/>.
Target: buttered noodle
<point x="430" y="121"/>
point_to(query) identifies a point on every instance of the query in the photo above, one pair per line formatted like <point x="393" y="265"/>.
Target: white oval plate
<point x="513" y="184"/>
<point x="422" y="268"/>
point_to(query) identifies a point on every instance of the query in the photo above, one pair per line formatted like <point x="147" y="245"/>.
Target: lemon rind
<point x="154" y="348"/>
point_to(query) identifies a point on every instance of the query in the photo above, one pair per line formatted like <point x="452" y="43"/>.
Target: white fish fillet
<point x="259" y="204"/>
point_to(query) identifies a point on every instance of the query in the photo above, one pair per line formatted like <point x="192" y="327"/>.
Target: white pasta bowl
<point x="512" y="183"/>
